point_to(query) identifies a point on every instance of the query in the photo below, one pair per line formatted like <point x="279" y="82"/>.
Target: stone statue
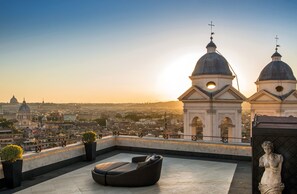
<point x="271" y="182"/>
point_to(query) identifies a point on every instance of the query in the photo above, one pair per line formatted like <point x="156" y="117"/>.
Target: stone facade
<point x="212" y="106"/>
<point x="276" y="90"/>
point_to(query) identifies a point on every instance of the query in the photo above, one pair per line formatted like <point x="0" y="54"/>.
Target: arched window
<point x="197" y="128"/>
<point x="226" y="129"/>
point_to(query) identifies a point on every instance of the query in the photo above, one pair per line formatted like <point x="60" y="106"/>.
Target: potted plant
<point x="89" y="139"/>
<point x="12" y="163"/>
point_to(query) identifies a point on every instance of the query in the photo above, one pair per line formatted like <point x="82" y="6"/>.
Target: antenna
<point x="211" y="32"/>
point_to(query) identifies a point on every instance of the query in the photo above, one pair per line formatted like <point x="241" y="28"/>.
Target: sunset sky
<point x="134" y="50"/>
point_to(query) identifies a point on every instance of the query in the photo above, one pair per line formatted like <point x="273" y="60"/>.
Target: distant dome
<point x="212" y="63"/>
<point x="276" y="70"/>
<point x="24" y="108"/>
<point x="13" y="100"/>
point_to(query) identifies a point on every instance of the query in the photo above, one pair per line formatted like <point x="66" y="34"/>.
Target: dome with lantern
<point x="212" y="63"/>
<point x="24" y="108"/>
<point x="13" y="100"/>
<point x="276" y="70"/>
<point x="277" y="77"/>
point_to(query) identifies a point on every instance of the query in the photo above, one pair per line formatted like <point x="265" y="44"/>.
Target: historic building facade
<point x="13" y="100"/>
<point x="212" y="106"/>
<point x="24" y="116"/>
<point x="276" y="90"/>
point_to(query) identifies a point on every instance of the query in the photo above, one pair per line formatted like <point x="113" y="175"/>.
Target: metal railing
<point x="39" y="145"/>
<point x="52" y="142"/>
<point x="199" y="137"/>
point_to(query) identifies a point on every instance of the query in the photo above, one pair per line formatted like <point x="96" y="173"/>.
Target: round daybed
<point x="142" y="171"/>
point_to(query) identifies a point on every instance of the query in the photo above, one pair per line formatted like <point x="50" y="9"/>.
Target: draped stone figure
<point x="271" y="180"/>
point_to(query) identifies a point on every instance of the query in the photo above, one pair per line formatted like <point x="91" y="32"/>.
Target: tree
<point x="132" y="116"/>
<point x="104" y="116"/>
<point x="101" y="121"/>
<point x="6" y="124"/>
<point x="118" y="115"/>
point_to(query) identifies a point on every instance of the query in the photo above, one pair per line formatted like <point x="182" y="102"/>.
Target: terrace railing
<point x="52" y="142"/>
<point x="198" y="138"/>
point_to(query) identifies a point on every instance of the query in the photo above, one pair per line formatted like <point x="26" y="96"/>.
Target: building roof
<point x="211" y="44"/>
<point x="78" y="172"/>
<point x="276" y="70"/>
<point x="24" y="108"/>
<point x="212" y="63"/>
<point x="276" y="54"/>
<point x="13" y="100"/>
<point x="284" y="96"/>
<point x="275" y="122"/>
<point x="275" y="119"/>
<point x="213" y="96"/>
<point x="276" y="98"/>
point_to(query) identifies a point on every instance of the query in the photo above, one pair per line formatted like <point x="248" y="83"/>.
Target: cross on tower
<point x="211" y="32"/>
<point x="276" y="45"/>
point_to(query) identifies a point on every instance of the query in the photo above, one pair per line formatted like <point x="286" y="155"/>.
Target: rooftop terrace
<point x="188" y="167"/>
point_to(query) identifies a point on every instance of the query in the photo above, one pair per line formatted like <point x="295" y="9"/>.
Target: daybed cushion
<point x="148" y="160"/>
<point x="105" y="167"/>
<point x="123" y="169"/>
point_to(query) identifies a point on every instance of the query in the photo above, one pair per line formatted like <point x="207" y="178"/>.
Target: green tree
<point x="6" y="124"/>
<point x="101" y="121"/>
<point x="118" y="115"/>
<point x="132" y="116"/>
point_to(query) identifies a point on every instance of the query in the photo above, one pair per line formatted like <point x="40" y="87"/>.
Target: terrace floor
<point x="179" y="175"/>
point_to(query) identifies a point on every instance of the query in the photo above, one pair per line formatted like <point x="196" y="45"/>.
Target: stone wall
<point x="46" y="157"/>
<point x="34" y="160"/>
<point x="185" y="146"/>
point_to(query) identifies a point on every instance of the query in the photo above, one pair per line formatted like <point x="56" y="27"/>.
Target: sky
<point x="118" y="51"/>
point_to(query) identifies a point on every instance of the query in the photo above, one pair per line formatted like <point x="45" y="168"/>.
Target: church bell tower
<point x="212" y="106"/>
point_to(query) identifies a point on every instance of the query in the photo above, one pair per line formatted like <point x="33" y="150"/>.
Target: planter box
<point x="90" y="151"/>
<point x="12" y="173"/>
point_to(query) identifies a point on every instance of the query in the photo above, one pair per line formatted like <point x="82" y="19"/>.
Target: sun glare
<point x="174" y="80"/>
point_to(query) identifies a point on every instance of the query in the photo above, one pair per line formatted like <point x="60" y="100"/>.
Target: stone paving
<point x="179" y="175"/>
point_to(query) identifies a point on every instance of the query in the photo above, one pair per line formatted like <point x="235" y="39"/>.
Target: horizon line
<point x="94" y="102"/>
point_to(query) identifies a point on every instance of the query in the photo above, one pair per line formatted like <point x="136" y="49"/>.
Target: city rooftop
<point x="222" y="168"/>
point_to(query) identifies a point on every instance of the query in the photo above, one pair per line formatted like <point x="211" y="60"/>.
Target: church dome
<point x="212" y="63"/>
<point x="24" y="108"/>
<point x="13" y="100"/>
<point x="276" y="70"/>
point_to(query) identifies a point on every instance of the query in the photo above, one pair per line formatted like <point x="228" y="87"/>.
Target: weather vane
<point x="211" y="32"/>
<point x="276" y="45"/>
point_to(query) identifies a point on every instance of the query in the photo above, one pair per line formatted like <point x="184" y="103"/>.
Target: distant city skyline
<point x="120" y="51"/>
